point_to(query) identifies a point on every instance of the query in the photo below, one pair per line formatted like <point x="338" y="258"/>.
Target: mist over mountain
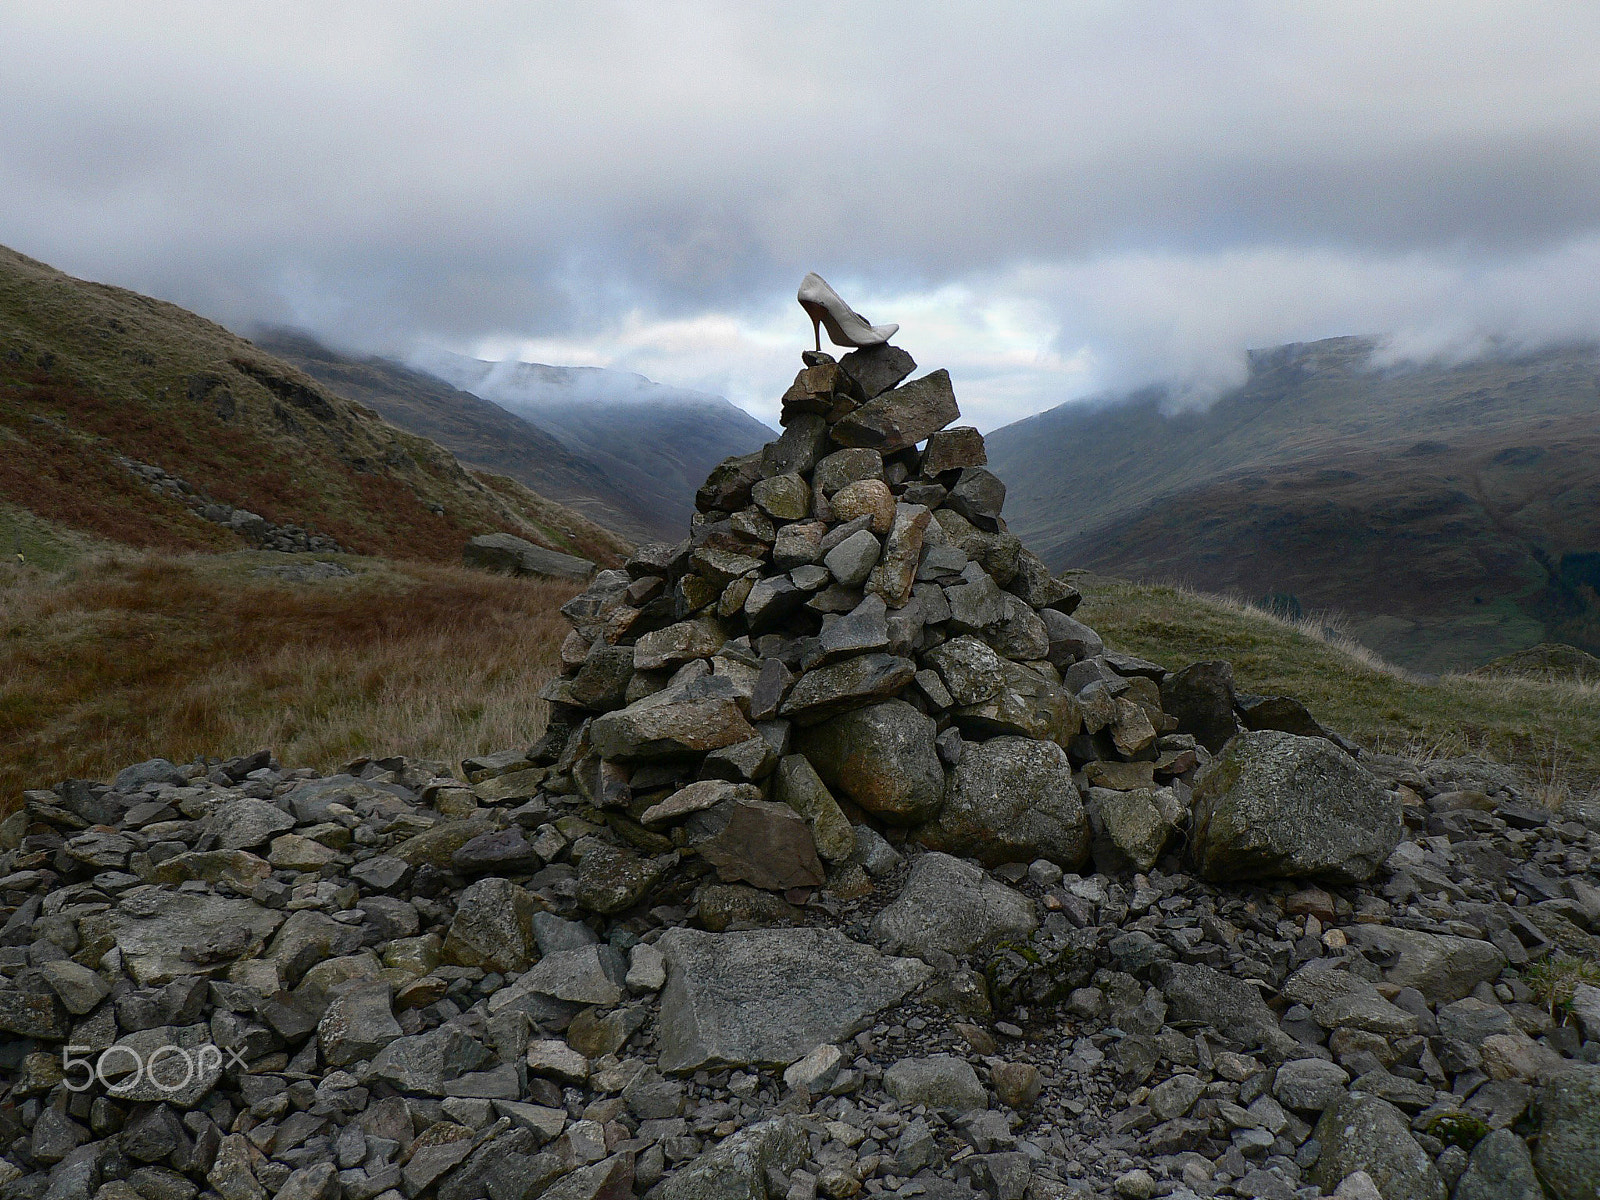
<point x="655" y="442"/>
<point x="1449" y="511"/>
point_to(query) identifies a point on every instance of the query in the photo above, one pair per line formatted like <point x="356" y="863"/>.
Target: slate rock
<point x="896" y="571"/>
<point x="902" y="417"/>
<point x="1012" y="799"/>
<point x="1310" y="1084"/>
<point x="244" y="824"/>
<point x="824" y="691"/>
<point x="770" y="996"/>
<point x="357" y="1023"/>
<point x="952" y="906"/>
<point x="875" y="369"/>
<point x="152" y="927"/>
<point x="660" y="728"/>
<point x="978" y="495"/>
<point x="586" y="975"/>
<point x="760" y="842"/>
<point x="142" y="775"/>
<point x="852" y="560"/>
<point x="797" y="784"/>
<point x="1201" y="995"/>
<point x="844" y="467"/>
<point x="882" y="758"/>
<point x="1133" y="827"/>
<point x="1278" y="805"/>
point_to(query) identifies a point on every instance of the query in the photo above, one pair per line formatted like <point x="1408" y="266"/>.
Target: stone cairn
<point x="850" y="864"/>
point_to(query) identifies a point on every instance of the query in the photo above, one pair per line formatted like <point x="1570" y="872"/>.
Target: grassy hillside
<point x="1451" y="513"/>
<point x="126" y="655"/>
<point x="89" y="372"/>
<point x="1549" y="726"/>
<point x="479" y="433"/>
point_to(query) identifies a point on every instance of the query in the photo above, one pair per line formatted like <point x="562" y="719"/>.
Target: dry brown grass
<point x="129" y="656"/>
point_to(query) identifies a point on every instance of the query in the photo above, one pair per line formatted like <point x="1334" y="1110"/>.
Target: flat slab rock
<point x="163" y="935"/>
<point x="771" y="995"/>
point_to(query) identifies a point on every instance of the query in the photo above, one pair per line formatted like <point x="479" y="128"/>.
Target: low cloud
<point x="1053" y="200"/>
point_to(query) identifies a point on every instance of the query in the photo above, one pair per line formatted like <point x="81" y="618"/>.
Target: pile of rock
<point x="254" y="528"/>
<point x="850" y="635"/>
<point x="851" y="874"/>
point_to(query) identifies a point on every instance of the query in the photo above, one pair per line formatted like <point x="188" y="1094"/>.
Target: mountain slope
<point x="480" y="433"/>
<point x="656" y="443"/>
<point x="1451" y="513"/>
<point x="129" y="419"/>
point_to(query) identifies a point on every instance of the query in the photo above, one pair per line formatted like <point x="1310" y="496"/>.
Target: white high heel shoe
<point x="845" y="326"/>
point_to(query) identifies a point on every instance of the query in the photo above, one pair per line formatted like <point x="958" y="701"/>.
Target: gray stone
<point x="79" y="988"/>
<point x="782" y="497"/>
<point x="852" y="560"/>
<point x="824" y="691"/>
<point x="900" y="418"/>
<point x="243" y="823"/>
<point x="1501" y="1169"/>
<point x="697" y="797"/>
<point x="1027" y="705"/>
<point x="971" y="670"/>
<point x="1201" y="697"/>
<point x="937" y="1081"/>
<point x="1277" y="805"/>
<point x="760" y="842"/>
<point x="1585" y="1007"/>
<point x="738" y="1167"/>
<point x="1070" y="640"/>
<point x="427" y="1063"/>
<point x="1310" y="1084"/>
<point x="357" y="1023"/>
<point x="882" y="758"/>
<point x="173" y="1081"/>
<point x="557" y="933"/>
<point x="1472" y="1020"/>
<point x="153" y="927"/>
<point x="844" y="467"/>
<point x="492" y="927"/>
<point x="978" y="495"/>
<point x="1568" y="1154"/>
<point x="587" y="975"/>
<point x="875" y="369"/>
<point x="862" y="630"/>
<point x="155" y="770"/>
<point x="612" y="879"/>
<point x="510" y="555"/>
<point x="951" y="906"/>
<point x="1020" y="634"/>
<point x="1440" y="966"/>
<point x="1132" y="827"/>
<point x="601" y="683"/>
<point x="798" y="448"/>
<point x="797" y="784"/>
<point x="728" y="485"/>
<point x="1364" y="1133"/>
<point x="896" y="572"/>
<point x="1012" y="799"/>
<point x="1201" y="995"/>
<point x="771" y="602"/>
<point x="770" y="996"/>
<point x="952" y="450"/>
<point x="663" y="649"/>
<point x="976" y="602"/>
<point x="661" y="728"/>
<point x="1175" y="1097"/>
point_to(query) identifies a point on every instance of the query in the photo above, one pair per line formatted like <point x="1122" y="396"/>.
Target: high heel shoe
<point x="845" y="327"/>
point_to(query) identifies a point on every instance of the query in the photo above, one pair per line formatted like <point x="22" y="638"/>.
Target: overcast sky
<point x="1051" y="199"/>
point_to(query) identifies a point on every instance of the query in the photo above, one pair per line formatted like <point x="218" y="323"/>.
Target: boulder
<point x="823" y="691"/>
<point x="507" y="554"/>
<point x="1364" y="1133"/>
<point x="1441" y="966"/>
<point x="1568" y="1153"/>
<point x="1278" y="805"/>
<point x="154" y="928"/>
<point x="873" y="370"/>
<point x="492" y="928"/>
<point x="1012" y="799"/>
<point x="770" y="996"/>
<point x="882" y="758"/>
<point x="1501" y="1169"/>
<point x="244" y="823"/>
<point x="1201" y="697"/>
<point x="952" y="907"/>
<point x="1132" y="827"/>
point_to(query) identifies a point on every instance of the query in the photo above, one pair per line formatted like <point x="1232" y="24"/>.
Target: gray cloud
<point x="1154" y="185"/>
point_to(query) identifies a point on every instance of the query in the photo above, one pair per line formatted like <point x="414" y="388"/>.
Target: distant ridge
<point x="655" y="443"/>
<point x="1451" y="512"/>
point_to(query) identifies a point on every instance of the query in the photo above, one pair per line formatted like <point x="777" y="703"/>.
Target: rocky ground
<point x="850" y="864"/>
